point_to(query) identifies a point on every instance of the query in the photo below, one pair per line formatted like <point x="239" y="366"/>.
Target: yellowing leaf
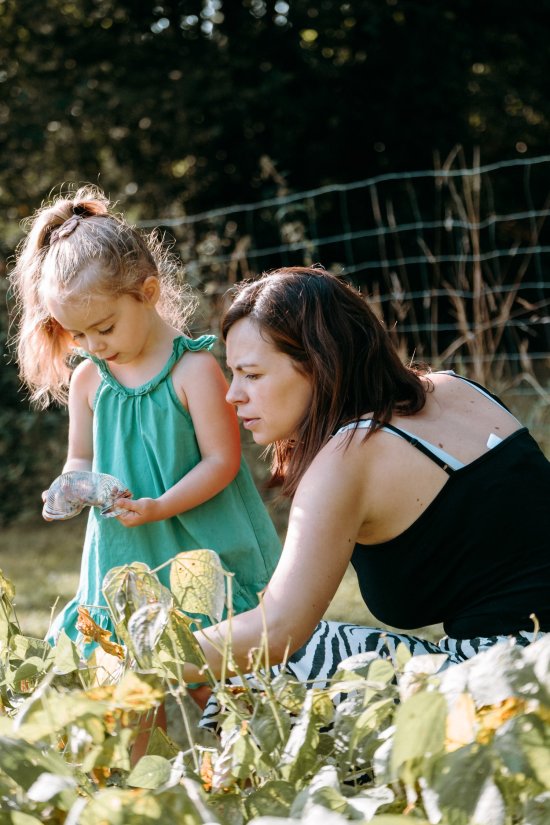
<point x="197" y="582"/>
<point x="493" y="716"/>
<point x="139" y="693"/>
<point x="86" y="625"/>
<point x="461" y="723"/>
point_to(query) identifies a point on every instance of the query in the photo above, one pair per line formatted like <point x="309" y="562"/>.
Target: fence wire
<point x="454" y="259"/>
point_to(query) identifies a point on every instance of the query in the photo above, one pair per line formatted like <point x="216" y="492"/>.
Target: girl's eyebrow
<point x="96" y="324"/>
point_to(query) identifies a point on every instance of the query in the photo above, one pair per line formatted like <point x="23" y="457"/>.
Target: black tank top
<point x="478" y="558"/>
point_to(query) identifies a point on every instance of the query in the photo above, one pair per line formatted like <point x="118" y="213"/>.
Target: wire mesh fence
<point x="454" y="259"/>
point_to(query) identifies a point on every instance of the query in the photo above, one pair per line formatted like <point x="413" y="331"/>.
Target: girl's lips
<point x="249" y="422"/>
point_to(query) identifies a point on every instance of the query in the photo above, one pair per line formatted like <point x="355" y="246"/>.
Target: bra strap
<point x="423" y="449"/>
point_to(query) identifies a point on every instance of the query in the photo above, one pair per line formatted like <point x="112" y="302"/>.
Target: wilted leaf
<point x="198" y="583"/>
<point x="95" y="633"/>
<point x="145" y="628"/>
<point x="130" y="587"/>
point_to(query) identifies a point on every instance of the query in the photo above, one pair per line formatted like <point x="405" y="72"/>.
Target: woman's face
<point x="270" y="394"/>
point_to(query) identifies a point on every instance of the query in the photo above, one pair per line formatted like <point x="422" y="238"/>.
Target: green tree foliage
<point x="178" y="106"/>
<point x="172" y="105"/>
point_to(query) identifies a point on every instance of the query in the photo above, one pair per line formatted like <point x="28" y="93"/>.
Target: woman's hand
<point x="138" y="511"/>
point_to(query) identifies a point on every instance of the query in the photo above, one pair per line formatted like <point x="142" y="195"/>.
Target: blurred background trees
<point x="172" y="106"/>
<point x="182" y="106"/>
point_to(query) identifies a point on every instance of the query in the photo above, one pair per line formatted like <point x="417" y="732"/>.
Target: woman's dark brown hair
<point x="332" y="336"/>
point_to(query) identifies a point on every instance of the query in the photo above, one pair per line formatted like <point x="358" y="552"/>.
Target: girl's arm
<point x="327" y="513"/>
<point x="80" y="451"/>
<point x="202" y="387"/>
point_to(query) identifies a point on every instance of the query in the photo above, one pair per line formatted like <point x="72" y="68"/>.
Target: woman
<point x="426" y="482"/>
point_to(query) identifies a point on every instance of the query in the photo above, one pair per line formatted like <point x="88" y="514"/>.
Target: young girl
<point x="146" y="403"/>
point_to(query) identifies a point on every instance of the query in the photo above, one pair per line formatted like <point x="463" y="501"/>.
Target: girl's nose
<point x="95" y="345"/>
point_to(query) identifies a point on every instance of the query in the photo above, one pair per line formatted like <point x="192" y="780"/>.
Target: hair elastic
<point x="65" y="229"/>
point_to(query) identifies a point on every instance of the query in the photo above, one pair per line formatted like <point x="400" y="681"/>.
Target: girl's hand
<point x="138" y="511"/>
<point x="44" y="496"/>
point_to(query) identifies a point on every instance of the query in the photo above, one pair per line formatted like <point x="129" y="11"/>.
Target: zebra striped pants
<point x="332" y="642"/>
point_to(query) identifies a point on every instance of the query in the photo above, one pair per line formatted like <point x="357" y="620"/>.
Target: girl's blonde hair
<point x="78" y="246"/>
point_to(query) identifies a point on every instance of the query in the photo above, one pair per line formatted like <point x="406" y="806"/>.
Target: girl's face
<point x="270" y="394"/>
<point x="115" y="329"/>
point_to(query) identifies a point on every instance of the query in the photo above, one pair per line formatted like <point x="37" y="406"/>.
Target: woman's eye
<point x="251" y="377"/>
<point x="76" y="335"/>
<point x="106" y="331"/>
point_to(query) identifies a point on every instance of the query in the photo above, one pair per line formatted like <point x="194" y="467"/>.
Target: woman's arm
<point x="201" y="385"/>
<point x="326" y="516"/>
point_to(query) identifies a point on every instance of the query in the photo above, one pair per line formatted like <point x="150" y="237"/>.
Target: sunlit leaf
<point x="21" y="818"/>
<point x="24" y="763"/>
<point x="95" y="633"/>
<point x="244" y="756"/>
<point x="51" y="714"/>
<point x="24" y="647"/>
<point x="300" y="753"/>
<point x="145" y="628"/>
<point x="178" y="641"/>
<point x="130" y="587"/>
<point x="420" y="729"/>
<point x="50" y="785"/>
<point x="139" y="692"/>
<point x="461" y="723"/>
<point x="66" y="655"/>
<point x="150" y="772"/>
<point x="198" y="583"/>
<point x="7" y="589"/>
<point x="369" y="801"/>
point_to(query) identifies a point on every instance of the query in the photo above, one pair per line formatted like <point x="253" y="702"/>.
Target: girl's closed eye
<point x="106" y="331"/>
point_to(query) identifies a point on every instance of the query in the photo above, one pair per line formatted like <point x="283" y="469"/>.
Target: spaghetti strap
<point x="447" y="462"/>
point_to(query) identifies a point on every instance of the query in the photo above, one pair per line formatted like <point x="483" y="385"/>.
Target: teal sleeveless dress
<point x="145" y="437"/>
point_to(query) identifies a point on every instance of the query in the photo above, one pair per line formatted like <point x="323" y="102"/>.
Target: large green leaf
<point x="177" y="642"/>
<point x="150" y="772"/>
<point x="273" y="798"/>
<point x="66" y="655"/>
<point x="197" y="581"/>
<point x="420" y="729"/>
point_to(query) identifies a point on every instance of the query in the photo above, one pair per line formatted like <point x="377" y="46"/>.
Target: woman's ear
<point x="150" y="290"/>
